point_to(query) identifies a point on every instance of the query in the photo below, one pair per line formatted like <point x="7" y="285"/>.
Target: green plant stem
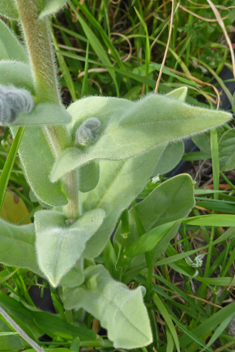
<point x="38" y="41"/>
<point x="36" y="33"/>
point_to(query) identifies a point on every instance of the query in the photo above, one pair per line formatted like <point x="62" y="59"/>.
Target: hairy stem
<point x="38" y="42"/>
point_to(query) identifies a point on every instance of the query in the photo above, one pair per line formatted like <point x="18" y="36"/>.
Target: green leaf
<point x="120" y="310"/>
<point x="6" y="172"/>
<point x="16" y="73"/>
<point x="170" y="157"/>
<point x="173" y="152"/>
<point x="37" y="159"/>
<point x="8" y="342"/>
<point x="21" y="241"/>
<point x="170" y="201"/>
<point x="178" y="94"/>
<point x="10" y="47"/>
<point x="203" y="141"/>
<point x="9" y="9"/>
<point x="51" y="7"/>
<point x="227" y="151"/>
<point x="103" y="108"/>
<point x="151" y="121"/>
<point x="120" y="183"/>
<point x="89" y="175"/>
<point x="60" y="245"/>
<point x="44" y="114"/>
<point x="43" y="322"/>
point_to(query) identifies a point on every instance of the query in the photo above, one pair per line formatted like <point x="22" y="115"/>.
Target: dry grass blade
<point x="200" y="17"/>
<point x="167" y="46"/>
<point x="128" y="56"/>
<point x="221" y="23"/>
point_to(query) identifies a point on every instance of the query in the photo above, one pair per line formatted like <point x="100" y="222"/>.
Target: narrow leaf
<point x="5" y="175"/>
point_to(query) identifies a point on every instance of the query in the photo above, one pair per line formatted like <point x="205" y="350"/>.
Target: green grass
<point x="116" y="49"/>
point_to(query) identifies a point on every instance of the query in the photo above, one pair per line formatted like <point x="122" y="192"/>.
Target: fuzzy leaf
<point x="44" y="114"/>
<point x="103" y="108"/>
<point x="16" y="73"/>
<point x="20" y="240"/>
<point x="10" y="47"/>
<point x="151" y="121"/>
<point x="51" y="7"/>
<point x="178" y="94"/>
<point x="59" y="246"/>
<point x="227" y="150"/>
<point x="37" y="158"/>
<point x="120" y="183"/>
<point x="170" y="157"/>
<point x="89" y="175"/>
<point x="120" y="310"/>
<point x="9" y="9"/>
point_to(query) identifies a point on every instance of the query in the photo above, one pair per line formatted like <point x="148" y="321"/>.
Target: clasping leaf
<point x="149" y="122"/>
<point x="120" y="310"/>
<point x="59" y="245"/>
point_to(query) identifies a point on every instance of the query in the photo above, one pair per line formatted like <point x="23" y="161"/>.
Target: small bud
<point x="88" y="132"/>
<point x="93" y="124"/>
<point x="14" y="101"/>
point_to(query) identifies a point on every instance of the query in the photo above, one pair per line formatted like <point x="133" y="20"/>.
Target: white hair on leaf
<point x="14" y="101"/>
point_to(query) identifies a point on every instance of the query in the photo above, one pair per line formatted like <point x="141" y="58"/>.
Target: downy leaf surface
<point x="16" y="73"/>
<point x="169" y="158"/>
<point x="10" y="47"/>
<point x="51" y="7"/>
<point x="22" y="253"/>
<point x="151" y="121"/>
<point x="120" y="310"/>
<point x="37" y="159"/>
<point x="59" y="245"/>
<point x="120" y="183"/>
<point x="9" y="9"/>
<point x="44" y="114"/>
<point x="173" y="152"/>
<point x="89" y="175"/>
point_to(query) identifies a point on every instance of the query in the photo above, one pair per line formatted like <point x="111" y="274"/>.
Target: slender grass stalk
<point x="167" y="46"/>
<point x="6" y="172"/>
<point x="20" y="331"/>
